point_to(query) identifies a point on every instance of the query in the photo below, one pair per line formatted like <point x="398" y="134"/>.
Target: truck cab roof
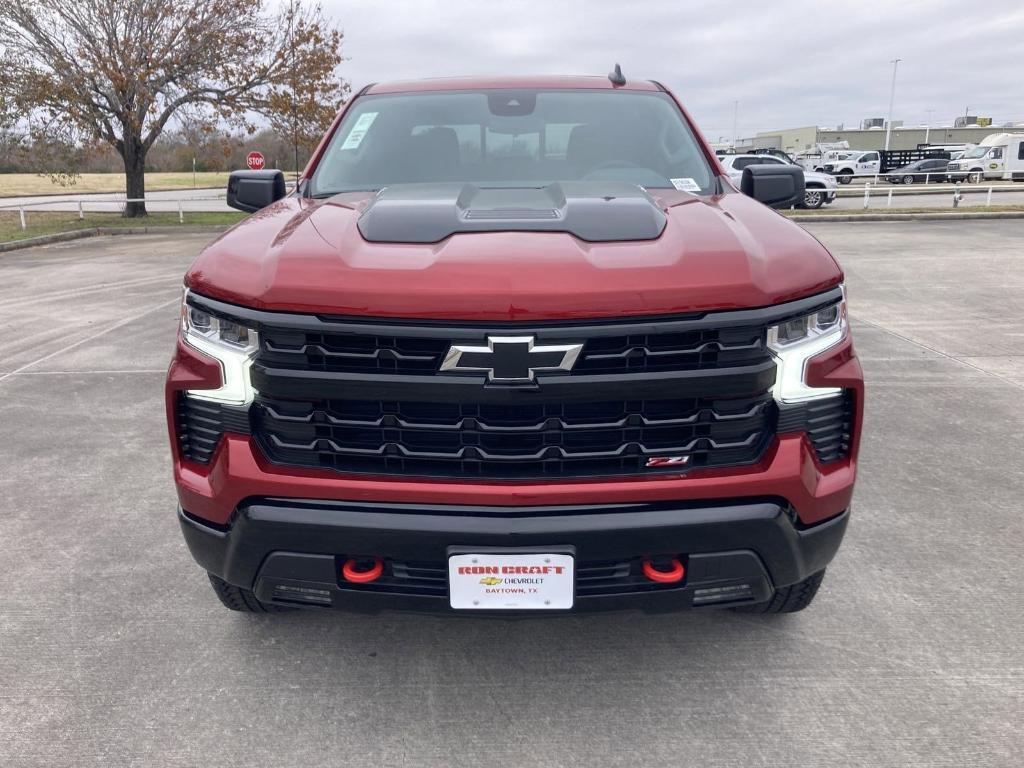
<point x="526" y="82"/>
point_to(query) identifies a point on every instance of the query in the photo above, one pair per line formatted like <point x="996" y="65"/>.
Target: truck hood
<point x="722" y="252"/>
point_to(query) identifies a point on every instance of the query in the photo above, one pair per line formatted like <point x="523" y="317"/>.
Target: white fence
<point x="879" y="193"/>
<point x="90" y="204"/>
<point x="876" y="192"/>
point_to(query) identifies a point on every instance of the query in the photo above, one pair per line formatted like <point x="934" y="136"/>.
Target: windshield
<point x="976" y="152"/>
<point x="512" y="138"/>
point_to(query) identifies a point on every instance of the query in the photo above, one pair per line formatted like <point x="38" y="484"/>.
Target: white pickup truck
<point x="856" y="163"/>
<point x="819" y="188"/>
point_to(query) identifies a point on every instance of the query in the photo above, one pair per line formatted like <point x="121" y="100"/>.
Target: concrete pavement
<point x="116" y="653"/>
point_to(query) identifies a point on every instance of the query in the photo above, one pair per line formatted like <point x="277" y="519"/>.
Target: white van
<point x="998" y="156"/>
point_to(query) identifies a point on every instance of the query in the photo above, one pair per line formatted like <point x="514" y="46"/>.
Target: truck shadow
<point x="602" y="648"/>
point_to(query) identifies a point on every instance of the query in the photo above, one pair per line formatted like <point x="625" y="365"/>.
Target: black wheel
<point x="845" y="177"/>
<point x="908" y="179"/>
<point x="814" y="197"/>
<point x="974" y="177"/>
<point x="789" y="599"/>
<point x="238" y="599"/>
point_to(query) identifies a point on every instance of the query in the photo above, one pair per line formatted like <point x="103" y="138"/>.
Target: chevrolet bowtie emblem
<point x="511" y="358"/>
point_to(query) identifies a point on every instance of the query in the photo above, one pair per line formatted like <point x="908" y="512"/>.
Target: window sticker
<point x="355" y="136"/>
<point x="685" y="185"/>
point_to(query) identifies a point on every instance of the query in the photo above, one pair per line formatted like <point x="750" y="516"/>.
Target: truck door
<point x="867" y="164"/>
<point x="994" y="163"/>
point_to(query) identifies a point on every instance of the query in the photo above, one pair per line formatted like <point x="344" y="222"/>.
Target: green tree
<point x="118" y="71"/>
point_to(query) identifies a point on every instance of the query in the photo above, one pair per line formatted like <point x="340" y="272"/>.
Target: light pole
<point x="892" y="97"/>
<point x="735" y="117"/>
<point x="928" y="125"/>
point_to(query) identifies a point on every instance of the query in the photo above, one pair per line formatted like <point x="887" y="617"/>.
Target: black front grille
<point x="828" y="423"/>
<point x="201" y="425"/>
<point x="351" y="352"/>
<point x="431" y="579"/>
<point x="515" y="441"/>
<point x="645" y="396"/>
<point x="680" y="350"/>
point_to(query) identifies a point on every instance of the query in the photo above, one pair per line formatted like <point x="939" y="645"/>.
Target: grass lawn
<point x="51" y="222"/>
<point x="964" y="208"/>
<point x="17" y="184"/>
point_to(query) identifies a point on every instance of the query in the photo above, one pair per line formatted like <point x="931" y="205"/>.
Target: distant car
<point x="926" y="171"/>
<point x="819" y="188"/>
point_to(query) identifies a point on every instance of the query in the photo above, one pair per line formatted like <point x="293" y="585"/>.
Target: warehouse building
<point x="794" y="140"/>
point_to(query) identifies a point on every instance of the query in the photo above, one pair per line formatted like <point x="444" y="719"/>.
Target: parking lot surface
<point x="115" y="651"/>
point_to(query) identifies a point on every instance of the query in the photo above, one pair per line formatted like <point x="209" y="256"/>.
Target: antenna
<point x="616" y="76"/>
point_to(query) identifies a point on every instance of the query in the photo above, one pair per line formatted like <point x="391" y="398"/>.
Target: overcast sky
<point x="787" y="63"/>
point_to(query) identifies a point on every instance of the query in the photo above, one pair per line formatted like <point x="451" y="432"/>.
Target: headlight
<point x="796" y="341"/>
<point x="230" y="343"/>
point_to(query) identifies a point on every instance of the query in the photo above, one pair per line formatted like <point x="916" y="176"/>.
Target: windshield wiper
<point x="322" y="195"/>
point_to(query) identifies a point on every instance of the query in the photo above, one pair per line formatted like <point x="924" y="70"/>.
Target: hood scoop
<point x="595" y="211"/>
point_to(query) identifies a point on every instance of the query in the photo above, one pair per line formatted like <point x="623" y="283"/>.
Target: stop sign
<point x="254" y="161"/>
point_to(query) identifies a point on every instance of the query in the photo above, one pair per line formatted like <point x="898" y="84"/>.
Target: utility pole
<point x="892" y="98"/>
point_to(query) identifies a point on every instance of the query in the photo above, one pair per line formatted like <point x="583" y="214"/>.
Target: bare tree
<point x="118" y="71"/>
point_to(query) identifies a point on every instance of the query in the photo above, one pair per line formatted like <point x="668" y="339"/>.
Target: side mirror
<point x="251" y="190"/>
<point x="778" y="186"/>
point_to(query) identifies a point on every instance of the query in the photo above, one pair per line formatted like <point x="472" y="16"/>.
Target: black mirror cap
<point x="778" y="186"/>
<point x="250" y="191"/>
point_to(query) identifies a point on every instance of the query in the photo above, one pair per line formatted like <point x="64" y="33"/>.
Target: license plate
<point x="510" y="582"/>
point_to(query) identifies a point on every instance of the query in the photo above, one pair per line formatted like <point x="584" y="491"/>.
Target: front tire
<point x="789" y="599"/>
<point x="845" y="177"/>
<point x="974" y="177"/>
<point x="814" y="198"/>
<point x="239" y="599"/>
<point x="908" y="179"/>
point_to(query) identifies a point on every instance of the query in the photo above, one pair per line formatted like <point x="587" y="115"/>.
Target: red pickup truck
<point x="510" y="346"/>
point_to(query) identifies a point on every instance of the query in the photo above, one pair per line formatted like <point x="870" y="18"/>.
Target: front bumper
<point x="290" y="552"/>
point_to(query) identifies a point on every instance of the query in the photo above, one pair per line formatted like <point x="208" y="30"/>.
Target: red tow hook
<point x="671" y="576"/>
<point x="353" y="571"/>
